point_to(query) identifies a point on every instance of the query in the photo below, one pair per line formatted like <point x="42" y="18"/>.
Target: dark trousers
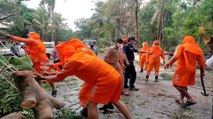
<point x="130" y="73"/>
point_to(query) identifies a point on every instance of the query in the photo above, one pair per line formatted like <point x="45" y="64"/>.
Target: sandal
<point x="187" y="103"/>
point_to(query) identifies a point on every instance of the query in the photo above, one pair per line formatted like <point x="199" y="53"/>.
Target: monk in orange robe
<point x="187" y="55"/>
<point x="153" y="58"/>
<point x="142" y="57"/>
<point x="103" y="82"/>
<point x="37" y="53"/>
<point x="64" y="48"/>
<point x="64" y="53"/>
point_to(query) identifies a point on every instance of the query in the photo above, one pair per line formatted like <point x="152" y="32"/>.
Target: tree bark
<point x="34" y="96"/>
<point x="136" y="21"/>
<point x="160" y="22"/>
<point x="14" y="115"/>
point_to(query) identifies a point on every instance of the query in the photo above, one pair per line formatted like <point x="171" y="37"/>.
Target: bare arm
<point x="67" y="71"/>
<point x="163" y="56"/>
<point x="141" y="51"/>
<point x="177" y="54"/>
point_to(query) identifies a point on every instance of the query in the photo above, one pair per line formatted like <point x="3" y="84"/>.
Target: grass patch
<point x="46" y="86"/>
<point x="184" y="114"/>
<point x="166" y="76"/>
<point x="28" y="113"/>
<point x="67" y="114"/>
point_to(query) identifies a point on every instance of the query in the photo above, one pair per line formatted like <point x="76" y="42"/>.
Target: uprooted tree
<point x="35" y="97"/>
<point x="14" y="115"/>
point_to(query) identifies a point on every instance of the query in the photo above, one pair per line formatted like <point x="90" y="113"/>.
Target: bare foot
<point x="191" y="100"/>
<point x="179" y="101"/>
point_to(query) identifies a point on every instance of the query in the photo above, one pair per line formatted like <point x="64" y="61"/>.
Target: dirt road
<point x="154" y="100"/>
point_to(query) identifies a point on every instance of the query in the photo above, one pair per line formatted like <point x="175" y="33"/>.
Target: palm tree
<point x="50" y="8"/>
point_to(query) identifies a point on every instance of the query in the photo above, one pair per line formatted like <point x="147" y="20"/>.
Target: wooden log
<point x="14" y="115"/>
<point x="34" y="96"/>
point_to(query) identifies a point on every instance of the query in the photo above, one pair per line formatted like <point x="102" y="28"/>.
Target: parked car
<point x="49" y="48"/>
<point x="22" y="50"/>
<point x="5" y="52"/>
<point x="88" y="42"/>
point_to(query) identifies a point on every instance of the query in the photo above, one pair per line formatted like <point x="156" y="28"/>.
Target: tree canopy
<point x="20" y="19"/>
<point x="167" y="20"/>
<point x="115" y="18"/>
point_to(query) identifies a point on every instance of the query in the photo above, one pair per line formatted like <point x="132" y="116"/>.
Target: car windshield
<point x="49" y="45"/>
<point x="87" y="42"/>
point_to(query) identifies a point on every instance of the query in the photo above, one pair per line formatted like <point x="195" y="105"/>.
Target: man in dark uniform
<point x="130" y="72"/>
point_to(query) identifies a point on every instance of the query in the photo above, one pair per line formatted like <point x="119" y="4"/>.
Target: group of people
<point x="105" y="80"/>
<point x="187" y="54"/>
<point x="102" y="82"/>
<point x="151" y="58"/>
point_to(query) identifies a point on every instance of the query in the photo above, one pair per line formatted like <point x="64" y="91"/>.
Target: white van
<point x="49" y="48"/>
<point x="88" y="42"/>
<point x="5" y="52"/>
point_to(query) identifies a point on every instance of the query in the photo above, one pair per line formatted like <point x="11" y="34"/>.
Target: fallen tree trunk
<point x="14" y="115"/>
<point x="34" y="96"/>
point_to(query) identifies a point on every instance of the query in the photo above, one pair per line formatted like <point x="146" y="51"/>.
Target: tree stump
<point x="14" y="115"/>
<point x="34" y="96"/>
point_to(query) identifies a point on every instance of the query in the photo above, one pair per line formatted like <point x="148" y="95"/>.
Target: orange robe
<point x="187" y="55"/>
<point x="35" y="49"/>
<point x="102" y="81"/>
<point x="142" y="57"/>
<point x="87" y="59"/>
<point x="121" y="61"/>
<point x="57" y="66"/>
<point x="65" y="50"/>
<point x="154" y="59"/>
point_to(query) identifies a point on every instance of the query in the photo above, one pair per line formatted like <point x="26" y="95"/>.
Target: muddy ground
<point x="154" y="100"/>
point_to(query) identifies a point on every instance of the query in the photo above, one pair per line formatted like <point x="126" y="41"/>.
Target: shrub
<point x="9" y="97"/>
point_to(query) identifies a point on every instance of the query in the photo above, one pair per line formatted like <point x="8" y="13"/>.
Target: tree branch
<point x="1" y="19"/>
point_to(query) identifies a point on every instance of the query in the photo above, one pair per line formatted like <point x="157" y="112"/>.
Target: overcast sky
<point x="70" y="9"/>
